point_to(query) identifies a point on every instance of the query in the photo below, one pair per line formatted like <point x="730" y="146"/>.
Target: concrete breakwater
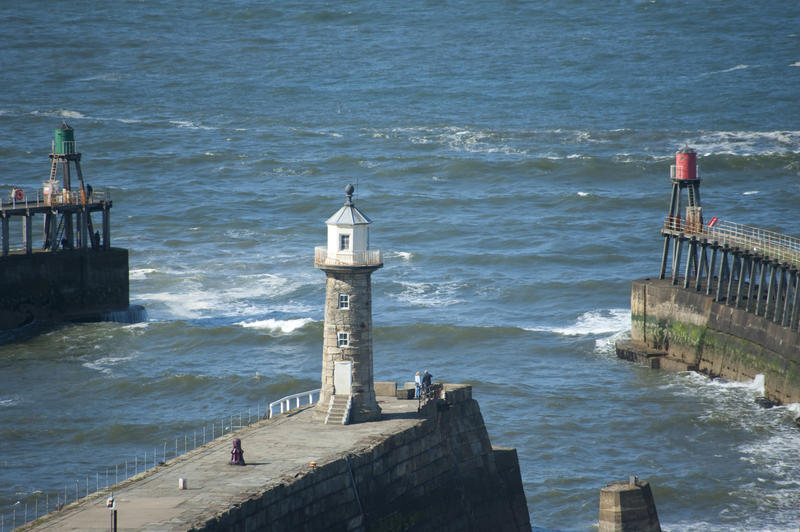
<point x="678" y="329"/>
<point x="76" y="275"/>
<point x="429" y="470"/>
<point x="75" y="284"/>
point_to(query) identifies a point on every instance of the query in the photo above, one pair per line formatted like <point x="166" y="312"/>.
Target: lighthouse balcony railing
<point x="370" y="257"/>
<point x="767" y="244"/>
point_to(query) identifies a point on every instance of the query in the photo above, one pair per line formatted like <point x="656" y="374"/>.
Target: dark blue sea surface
<point x="514" y="157"/>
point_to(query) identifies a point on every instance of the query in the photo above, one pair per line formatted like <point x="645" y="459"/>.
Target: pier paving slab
<point x="273" y="449"/>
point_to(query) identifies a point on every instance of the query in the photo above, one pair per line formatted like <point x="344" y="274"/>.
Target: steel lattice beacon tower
<point x="684" y="174"/>
<point x="63" y="234"/>
<point x="348" y="391"/>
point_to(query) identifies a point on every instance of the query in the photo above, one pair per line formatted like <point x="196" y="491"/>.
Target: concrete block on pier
<point x="386" y="389"/>
<point x="628" y="507"/>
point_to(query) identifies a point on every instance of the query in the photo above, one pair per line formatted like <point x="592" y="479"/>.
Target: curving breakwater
<point x="682" y="329"/>
<point x="428" y="469"/>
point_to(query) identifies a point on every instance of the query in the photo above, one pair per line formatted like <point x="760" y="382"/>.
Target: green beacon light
<point x="64" y="140"/>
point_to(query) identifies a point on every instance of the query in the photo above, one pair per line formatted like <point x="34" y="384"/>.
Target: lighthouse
<point x="348" y="391"/>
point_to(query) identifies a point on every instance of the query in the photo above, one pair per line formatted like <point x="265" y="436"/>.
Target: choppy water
<point x="514" y="157"/>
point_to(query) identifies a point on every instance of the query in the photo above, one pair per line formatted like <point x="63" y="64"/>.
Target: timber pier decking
<point x="744" y="267"/>
<point x="62" y="207"/>
<point x="748" y="268"/>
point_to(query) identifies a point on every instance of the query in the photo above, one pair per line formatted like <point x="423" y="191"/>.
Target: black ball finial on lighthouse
<point x="349" y="189"/>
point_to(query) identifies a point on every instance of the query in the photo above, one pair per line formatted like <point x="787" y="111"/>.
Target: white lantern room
<point x="348" y="237"/>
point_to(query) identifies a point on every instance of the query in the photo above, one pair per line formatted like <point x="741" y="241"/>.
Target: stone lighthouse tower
<point x="348" y="391"/>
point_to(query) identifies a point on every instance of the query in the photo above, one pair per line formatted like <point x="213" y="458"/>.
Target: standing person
<point x="426" y="382"/>
<point x="417" y="384"/>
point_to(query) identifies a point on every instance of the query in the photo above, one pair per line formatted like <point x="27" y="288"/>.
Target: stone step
<point x="337" y="411"/>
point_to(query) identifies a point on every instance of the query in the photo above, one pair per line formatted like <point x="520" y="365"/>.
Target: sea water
<point x="514" y="157"/>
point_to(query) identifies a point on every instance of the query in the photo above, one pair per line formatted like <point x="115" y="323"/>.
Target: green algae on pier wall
<point x="715" y="339"/>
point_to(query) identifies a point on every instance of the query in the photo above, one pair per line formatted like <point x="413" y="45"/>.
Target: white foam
<point x="240" y="297"/>
<point x="403" y="255"/>
<point x="460" y="139"/>
<point x="611" y="321"/>
<point x="260" y="285"/>
<point x="732" y="69"/>
<point x="795" y="64"/>
<point x="749" y="192"/>
<point x="141" y="273"/>
<point x="745" y="142"/>
<point x="286" y="326"/>
<point x="758" y="384"/>
<point x="103" y="77"/>
<point x="104" y="365"/>
<point x="583" y="194"/>
<point x="184" y="305"/>
<point x="61" y="113"/>
<point x="190" y="125"/>
<point x="607" y="344"/>
<point x="11" y="401"/>
<point x="428" y="294"/>
<point x="69" y="114"/>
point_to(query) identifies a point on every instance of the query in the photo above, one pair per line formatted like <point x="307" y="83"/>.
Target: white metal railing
<point x="285" y="403"/>
<point x="370" y="257"/>
<point x="769" y="244"/>
<point x="36" y="504"/>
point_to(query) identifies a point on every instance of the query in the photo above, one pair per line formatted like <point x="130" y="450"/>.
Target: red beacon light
<point x="685" y="168"/>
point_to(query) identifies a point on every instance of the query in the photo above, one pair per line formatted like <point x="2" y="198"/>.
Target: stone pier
<point x="673" y="328"/>
<point x="429" y="470"/>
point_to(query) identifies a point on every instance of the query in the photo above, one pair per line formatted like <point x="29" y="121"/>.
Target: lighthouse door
<point x="342" y="377"/>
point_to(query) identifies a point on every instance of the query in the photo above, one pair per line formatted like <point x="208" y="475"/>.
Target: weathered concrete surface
<point x="628" y="507"/>
<point x="676" y="328"/>
<point x="63" y="285"/>
<point x="433" y="470"/>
